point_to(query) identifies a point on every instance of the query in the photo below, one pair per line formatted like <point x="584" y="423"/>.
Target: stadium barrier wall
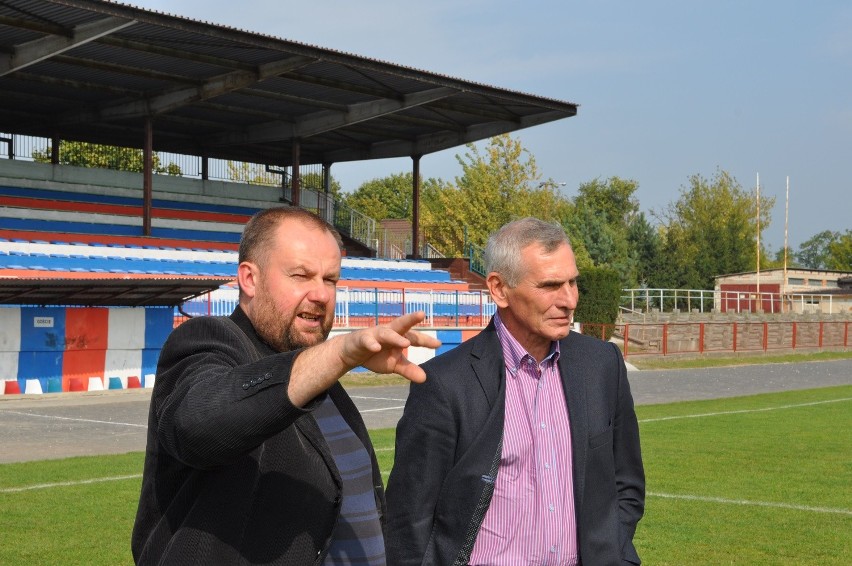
<point x="64" y="347"/>
<point x="70" y="349"/>
<point x="731" y="337"/>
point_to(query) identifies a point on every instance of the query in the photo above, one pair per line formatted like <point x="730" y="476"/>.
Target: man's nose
<point x="568" y="296"/>
<point x="321" y="292"/>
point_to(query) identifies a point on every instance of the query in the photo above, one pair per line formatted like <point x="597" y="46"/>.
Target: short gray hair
<point x="503" y="250"/>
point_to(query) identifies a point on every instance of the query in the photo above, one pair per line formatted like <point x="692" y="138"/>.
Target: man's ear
<point x="248" y="278"/>
<point x="497" y="287"/>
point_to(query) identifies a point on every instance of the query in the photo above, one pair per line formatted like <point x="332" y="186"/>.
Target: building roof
<point x="92" y="291"/>
<point x="95" y="71"/>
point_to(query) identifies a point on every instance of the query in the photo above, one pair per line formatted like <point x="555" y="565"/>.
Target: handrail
<point x="476" y="257"/>
<point x="714" y="300"/>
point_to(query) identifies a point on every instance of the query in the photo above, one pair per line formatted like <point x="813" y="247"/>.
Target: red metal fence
<point x="732" y="337"/>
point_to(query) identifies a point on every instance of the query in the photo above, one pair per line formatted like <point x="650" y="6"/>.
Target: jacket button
<point x="245" y="385"/>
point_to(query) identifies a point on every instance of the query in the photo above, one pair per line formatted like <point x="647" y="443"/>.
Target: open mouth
<point x="310" y="317"/>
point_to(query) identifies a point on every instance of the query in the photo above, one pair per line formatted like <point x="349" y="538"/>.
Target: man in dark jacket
<point x="522" y="446"/>
<point x="256" y="454"/>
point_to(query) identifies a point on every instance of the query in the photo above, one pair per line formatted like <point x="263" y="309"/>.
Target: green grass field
<point x="765" y="479"/>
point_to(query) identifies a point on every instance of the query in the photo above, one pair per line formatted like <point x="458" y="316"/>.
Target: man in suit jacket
<point x="256" y="454"/>
<point x="522" y="445"/>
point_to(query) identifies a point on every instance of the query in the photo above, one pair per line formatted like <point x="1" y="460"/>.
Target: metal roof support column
<point x="325" y="206"/>
<point x="295" y="177"/>
<point x="415" y="207"/>
<point x="147" y="177"/>
<point x="54" y="150"/>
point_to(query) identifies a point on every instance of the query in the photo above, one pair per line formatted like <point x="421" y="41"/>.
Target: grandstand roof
<point x="92" y="291"/>
<point x="94" y="71"/>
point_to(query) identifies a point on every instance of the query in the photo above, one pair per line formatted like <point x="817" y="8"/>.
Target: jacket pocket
<point x="601" y="439"/>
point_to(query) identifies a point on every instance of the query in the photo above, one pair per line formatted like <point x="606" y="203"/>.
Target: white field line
<point x="725" y="501"/>
<point x="378" y="398"/>
<point x="382" y="409"/>
<point x="742" y="411"/>
<point x="68" y="483"/>
<point x="73" y="419"/>
<point x="700" y="498"/>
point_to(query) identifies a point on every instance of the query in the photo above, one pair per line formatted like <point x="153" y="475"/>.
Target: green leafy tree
<point x="612" y="198"/>
<point x="498" y="184"/>
<point x="769" y="260"/>
<point x="313" y="180"/>
<point x="385" y="197"/>
<point x="251" y="173"/>
<point x="84" y="154"/>
<point x="840" y="253"/>
<point x="711" y="230"/>
<point x="645" y="247"/>
<point x="600" y="296"/>
<point x="813" y="253"/>
<point x="602" y="216"/>
<point x="257" y="174"/>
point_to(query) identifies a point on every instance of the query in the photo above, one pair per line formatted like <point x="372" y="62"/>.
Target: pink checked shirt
<point x="531" y="518"/>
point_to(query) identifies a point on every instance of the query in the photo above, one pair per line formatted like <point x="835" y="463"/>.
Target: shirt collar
<point x="515" y="354"/>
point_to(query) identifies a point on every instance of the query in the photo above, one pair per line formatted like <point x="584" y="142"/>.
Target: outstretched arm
<point x="379" y="349"/>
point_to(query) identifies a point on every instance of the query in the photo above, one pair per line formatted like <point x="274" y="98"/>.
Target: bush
<point x="600" y="296"/>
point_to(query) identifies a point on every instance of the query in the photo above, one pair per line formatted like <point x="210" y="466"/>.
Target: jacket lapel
<point x="574" y="386"/>
<point x="486" y="360"/>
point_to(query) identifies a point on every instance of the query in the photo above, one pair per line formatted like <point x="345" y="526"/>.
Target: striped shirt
<point x="531" y="518"/>
<point x="357" y="539"/>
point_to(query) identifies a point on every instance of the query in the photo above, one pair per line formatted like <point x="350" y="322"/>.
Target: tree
<point x="498" y="184"/>
<point x="612" y="198"/>
<point x="313" y="180"/>
<point x="711" y="230"/>
<point x="644" y="244"/>
<point x="813" y="253"/>
<point x="776" y="260"/>
<point x="840" y="253"/>
<point x="251" y="173"/>
<point x="600" y="297"/>
<point x="84" y="154"/>
<point x="385" y="197"/>
<point x="602" y="216"/>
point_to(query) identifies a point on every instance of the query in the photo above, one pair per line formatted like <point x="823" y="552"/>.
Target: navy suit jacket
<point x="452" y="428"/>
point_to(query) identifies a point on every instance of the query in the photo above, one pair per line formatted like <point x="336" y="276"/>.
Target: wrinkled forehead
<point x="299" y="241"/>
<point x="560" y="260"/>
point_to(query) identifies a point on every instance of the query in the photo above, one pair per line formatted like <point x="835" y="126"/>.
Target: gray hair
<point x="503" y="250"/>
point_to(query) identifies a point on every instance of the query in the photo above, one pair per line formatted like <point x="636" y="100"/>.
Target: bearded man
<point x="255" y="452"/>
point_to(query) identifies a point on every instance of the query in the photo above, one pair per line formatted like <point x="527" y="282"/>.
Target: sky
<point x="667" y="89"/>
